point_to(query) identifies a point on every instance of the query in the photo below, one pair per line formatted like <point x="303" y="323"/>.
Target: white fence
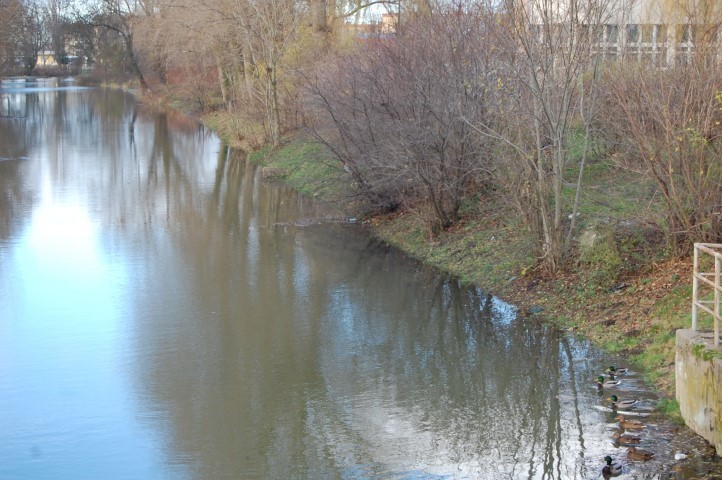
<point x="707" y="284"/>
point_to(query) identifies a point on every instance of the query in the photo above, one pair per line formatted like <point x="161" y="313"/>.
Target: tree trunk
<point x="222" y="81"/>
<point x="134" y="61"/>
<point x="275" y="111"/>
<point x="319" y="16"/>
<point x="248" y="70"/>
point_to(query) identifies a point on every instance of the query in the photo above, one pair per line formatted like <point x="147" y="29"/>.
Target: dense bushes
<point x="666" y="125"/>
<point x="399" y="114"/>
<point x="459" y="102"/>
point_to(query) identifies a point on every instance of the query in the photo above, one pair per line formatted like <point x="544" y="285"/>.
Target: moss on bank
<point x="301" y="165"/>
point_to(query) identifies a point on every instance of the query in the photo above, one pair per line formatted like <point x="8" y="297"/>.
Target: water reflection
<point x="164" y="314"/>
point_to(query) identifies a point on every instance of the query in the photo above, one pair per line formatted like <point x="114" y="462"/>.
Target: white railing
<point x="707" y="280"/>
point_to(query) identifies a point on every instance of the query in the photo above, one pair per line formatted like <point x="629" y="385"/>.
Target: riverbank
<point x="633" y="311"/>
<point x="625" y="296"/>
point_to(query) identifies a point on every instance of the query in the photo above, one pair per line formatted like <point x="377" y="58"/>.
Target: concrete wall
<point x="699" y="386"/>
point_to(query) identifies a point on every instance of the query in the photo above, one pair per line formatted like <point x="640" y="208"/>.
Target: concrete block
<point x="698" y="368"/>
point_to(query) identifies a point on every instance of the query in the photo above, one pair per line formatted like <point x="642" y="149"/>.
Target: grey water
<point x="165" y="314"/>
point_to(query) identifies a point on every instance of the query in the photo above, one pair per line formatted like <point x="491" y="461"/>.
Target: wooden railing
<point x="707" y="281"/>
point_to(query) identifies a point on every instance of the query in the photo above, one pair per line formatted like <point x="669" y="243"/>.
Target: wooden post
<point x="695" y="287"/>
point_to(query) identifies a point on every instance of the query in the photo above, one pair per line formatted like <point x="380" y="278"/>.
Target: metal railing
<point x="707" y="280"/>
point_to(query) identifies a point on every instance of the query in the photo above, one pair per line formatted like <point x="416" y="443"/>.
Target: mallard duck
<point x="629" y="424"/>
<point x="616" y="403"/>
<point x="612" y="370"/>
<point x="634" y="453"/>
<point x="612" y="468"/>
<point x="625" y="438"/>
<point x="601" y="383"/>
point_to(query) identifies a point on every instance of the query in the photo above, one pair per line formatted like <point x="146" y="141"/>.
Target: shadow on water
<point x="250" y="341"/>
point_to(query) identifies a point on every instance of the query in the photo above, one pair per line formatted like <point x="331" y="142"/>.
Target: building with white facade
<point x="665" y="32"/>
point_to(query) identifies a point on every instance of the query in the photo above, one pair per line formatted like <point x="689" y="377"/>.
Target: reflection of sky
<point x="65" y="399"/>
<point x="64" y="314"/>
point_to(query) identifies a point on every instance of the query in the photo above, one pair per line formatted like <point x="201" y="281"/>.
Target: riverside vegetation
<point x="626" y="292"/>
<point x="573" y="189"/>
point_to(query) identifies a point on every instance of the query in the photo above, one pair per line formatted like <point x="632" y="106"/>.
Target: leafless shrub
<point x="667" y="123"/>
<point x="397" y="114"/>
<point x="549" y="90"/>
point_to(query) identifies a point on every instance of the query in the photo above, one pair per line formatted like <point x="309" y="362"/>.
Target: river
<point x="165" y="314"/>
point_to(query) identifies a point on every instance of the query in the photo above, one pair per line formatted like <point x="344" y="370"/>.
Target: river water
<point x="165" y="314"/>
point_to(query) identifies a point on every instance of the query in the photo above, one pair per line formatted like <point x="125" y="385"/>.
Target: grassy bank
<point x="626" y="296"/>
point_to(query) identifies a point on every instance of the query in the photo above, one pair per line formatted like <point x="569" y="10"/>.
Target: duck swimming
<point x="601" y="383"/>
<point x="634" y="453"/>
<point x="612" y="468"/>
<point x="625" y="438"/>
<point x="629" y="424"/>
<point x="612" y="370"/>
<point x="616" y="403"/>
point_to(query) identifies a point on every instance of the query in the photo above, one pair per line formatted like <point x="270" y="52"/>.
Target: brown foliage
<point x="12" y="13"/>
<point x="667" y="122"/>
<point x="397" y="113"/>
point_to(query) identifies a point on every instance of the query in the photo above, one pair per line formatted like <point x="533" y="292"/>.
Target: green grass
<point x="304" y="166"/>
<point x="670" y="408"/>
<point x="704" y="353"/>
<point x="621" y="343"/>
<point x="607" y="190"/>
<point x="483" y="252"/>
<point x="236" y="130"/>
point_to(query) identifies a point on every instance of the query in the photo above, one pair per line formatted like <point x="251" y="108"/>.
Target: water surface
<point x="164" y="314"/>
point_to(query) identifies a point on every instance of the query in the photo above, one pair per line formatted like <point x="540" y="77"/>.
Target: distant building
<point x="389" y="22"/>
<point x="363" y="30"/>
<point x="46" y="59"/>
<point x="386" y="26"/>
<point x="659" y="31"/>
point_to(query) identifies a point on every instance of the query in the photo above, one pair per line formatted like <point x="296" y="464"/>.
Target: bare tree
<point x="151" y="32"/>
<point x="57" y="25"/>
<point x="84" y="40"/>
<point x="121" y="18"/>
<point x="667" y="123"/>
<point x="396" y="114"/>
<point x="13" y="13"/>
<point x="32" y="36"/>
<point x="552" y="57"/>
<point x="274" y="25"/>
<point x="326" y="15"/>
